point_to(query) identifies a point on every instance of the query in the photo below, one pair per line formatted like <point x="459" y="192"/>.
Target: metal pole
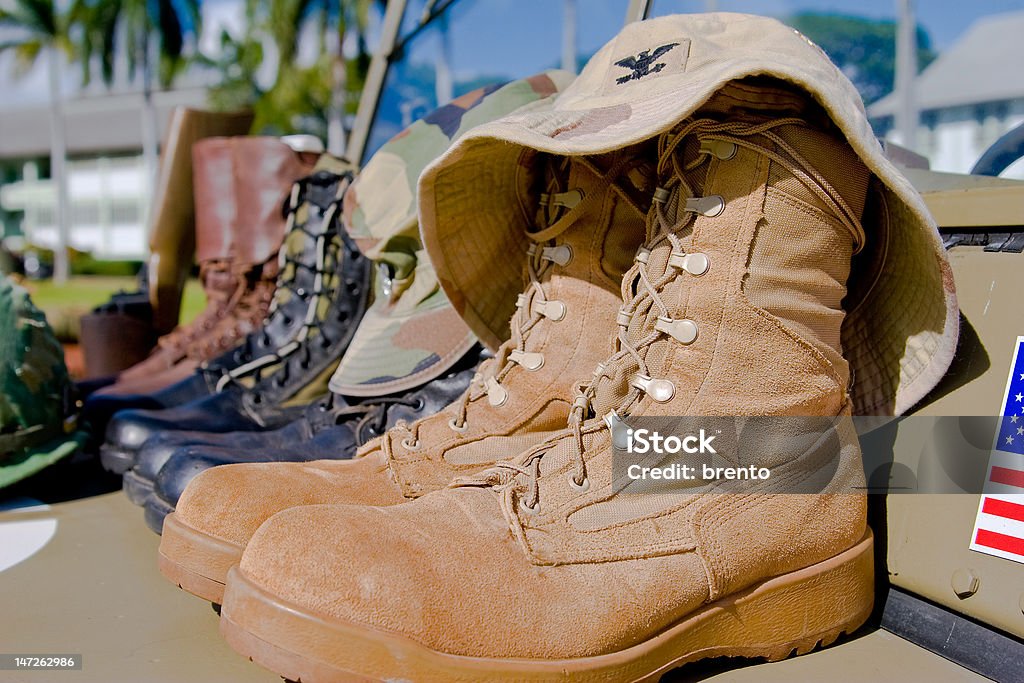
<point x="906" y="119"/>
<point x="59" y="172"/>
<point x="569" y="35"/>
<point x="638" y="10"/>
<point x="444" y="85"/>
<point x="370" y="98"/>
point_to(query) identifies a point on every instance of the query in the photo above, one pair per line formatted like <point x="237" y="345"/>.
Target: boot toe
<point x="184" y="465"/>
<point x="389" y="569"/>
<point x="230" y="502"/>
<point x="99" y="409"/>
<point x="129" y="429"/>
<point x="157" y="450"/>
<point x="446" y="572"/>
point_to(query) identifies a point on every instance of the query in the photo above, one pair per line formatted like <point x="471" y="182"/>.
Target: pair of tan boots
<point x="706" y="228"/>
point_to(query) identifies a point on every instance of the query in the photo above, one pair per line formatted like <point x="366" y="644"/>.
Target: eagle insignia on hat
<point x="641" y="65"/>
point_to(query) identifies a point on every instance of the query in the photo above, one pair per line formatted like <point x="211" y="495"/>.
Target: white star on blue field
<point x="1011" y="432"/>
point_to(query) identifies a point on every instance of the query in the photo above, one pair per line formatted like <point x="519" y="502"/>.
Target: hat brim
<point x="394" y="353"/>
<point x="901" y="329"/>
<point x="24" y="465"/>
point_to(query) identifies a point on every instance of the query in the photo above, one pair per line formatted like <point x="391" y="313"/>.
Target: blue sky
<point x="517" y="37"/>
<point x="498" y="35"/>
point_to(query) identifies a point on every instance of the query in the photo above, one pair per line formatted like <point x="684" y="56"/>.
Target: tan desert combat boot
<point x="582" y="221"/>
<point x="548" y="566"/>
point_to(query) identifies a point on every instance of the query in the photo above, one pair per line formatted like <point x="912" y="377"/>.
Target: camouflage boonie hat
<point x="37" y="410"/>
<point x="411" y="334"/>
<point x="902" y="320"/>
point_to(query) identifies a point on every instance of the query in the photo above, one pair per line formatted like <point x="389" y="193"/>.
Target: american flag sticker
<point x="999" y="525"/>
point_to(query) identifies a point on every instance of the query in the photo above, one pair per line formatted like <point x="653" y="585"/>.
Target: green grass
<point x="65" y="304"/>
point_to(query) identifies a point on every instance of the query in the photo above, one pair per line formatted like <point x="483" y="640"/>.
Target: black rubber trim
<point x="970" y="644"/>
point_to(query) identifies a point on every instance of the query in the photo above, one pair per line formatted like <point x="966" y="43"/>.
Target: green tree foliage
<point x="301" y="95"/>
<point x="865" y="49"/>
<point x="40" y="27"/>
<point x="131" y="26"/>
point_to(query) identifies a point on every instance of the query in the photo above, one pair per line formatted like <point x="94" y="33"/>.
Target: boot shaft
<point x="322" y="288"/>
<point x="588" y="220"/>
<point x="594" y="215"/>
<point x="240" y="185"/>
<point x="764" y="212"/>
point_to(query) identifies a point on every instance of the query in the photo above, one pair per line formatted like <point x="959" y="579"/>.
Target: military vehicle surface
<point x="961" y="603"/>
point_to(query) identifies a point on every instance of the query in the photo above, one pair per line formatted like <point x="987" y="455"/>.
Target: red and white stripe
<point x="999" y="526"/>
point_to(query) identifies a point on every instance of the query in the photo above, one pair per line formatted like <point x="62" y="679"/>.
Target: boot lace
<point x="287" y="290"/>
<point x="371" y="415"/>
<point x="559" y="208"/>
<point x="642" y="289"/>
<point x="181" y="337"/>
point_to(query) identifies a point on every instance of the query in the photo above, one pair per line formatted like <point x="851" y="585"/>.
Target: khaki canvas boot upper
<point x="591" y="223"/>
<point x="733" y="307"/>
<point x="589" y="215"/>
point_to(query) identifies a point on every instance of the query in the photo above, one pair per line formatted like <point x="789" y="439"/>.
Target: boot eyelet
<point x="411" y="444"/>
<point x="582" y="487"/>
<point x="660" y="390"/>
<point x="560" y="255"/>
<point x="419" y="405"/>
<point x="457" y="427"/>
<point x="528" y="361"/>
<point x="721" y="149"/>
<point x="553" y="310"/>
<point x="535" y="510"/>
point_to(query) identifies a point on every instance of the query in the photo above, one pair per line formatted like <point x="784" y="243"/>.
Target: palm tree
<point x="41" y="29"/>
<point x="152" y="35"/>
<point x="335" y="21"/>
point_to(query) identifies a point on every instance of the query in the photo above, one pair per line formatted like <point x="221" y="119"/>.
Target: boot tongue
<point x="612" y="379"/>
<point x="552" y="200"/>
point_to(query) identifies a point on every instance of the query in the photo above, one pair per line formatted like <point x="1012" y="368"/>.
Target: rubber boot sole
<point x="792" y="613"/>
<point x="116" y="460"/>
<point x="155" y="511"/>
<point x="194" y="561"/>
<point x="136" y="487"/>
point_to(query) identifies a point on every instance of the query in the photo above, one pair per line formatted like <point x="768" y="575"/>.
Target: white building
<point x="968" y="97"/>
<point x="108" y="187"/>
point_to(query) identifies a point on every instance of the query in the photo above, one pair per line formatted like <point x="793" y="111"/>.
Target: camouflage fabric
<point x="411" y="334"/>
<point x="306" y="229"/>
<point x="37" y="422"/>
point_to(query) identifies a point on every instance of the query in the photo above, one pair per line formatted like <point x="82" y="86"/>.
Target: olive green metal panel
<point x="970" y="201"/>
<point x="929" y="534"/>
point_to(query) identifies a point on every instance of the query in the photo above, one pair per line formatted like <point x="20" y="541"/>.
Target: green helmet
<point x="37" y="407"/>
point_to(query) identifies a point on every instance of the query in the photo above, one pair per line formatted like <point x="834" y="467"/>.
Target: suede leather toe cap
<point x="230" y="502"/>
<point x="446" y="572"/>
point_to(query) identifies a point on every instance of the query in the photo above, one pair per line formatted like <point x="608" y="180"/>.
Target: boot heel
<point x="788" y="615"/>
<point x="797" y="612"/>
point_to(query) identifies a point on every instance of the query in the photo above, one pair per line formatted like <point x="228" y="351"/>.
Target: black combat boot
<point x="330" y="429"/>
